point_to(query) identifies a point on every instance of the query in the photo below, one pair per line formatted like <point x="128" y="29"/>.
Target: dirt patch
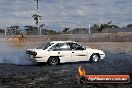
<point x="96" y="37"/>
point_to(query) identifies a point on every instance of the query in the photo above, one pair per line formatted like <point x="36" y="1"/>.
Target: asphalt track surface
<point x="65" y="75"/>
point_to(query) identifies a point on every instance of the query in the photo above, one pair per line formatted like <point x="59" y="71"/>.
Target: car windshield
<point x="45" y="45"/>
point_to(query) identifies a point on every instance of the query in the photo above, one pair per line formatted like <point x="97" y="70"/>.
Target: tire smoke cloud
<point x="12" y="55"/>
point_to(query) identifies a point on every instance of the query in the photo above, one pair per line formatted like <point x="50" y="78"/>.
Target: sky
<point x="58" y="14"/>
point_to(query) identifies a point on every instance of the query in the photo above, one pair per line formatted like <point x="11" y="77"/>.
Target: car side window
<point x="60" y="47"/>
<point x="75" y="46"/>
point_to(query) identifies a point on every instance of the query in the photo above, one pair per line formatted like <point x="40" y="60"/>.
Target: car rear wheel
<point x="94" y="58"/>
<point x="53" y="61"/>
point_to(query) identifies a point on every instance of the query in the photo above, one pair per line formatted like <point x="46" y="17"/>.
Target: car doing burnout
<point x="56" y="52"/>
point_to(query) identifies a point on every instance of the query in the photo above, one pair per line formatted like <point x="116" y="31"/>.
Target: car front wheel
<point x="53" y="61"/>
<point x="94" y="58"/>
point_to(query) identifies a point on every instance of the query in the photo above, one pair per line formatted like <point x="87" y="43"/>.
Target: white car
<point x="56" y="52"/>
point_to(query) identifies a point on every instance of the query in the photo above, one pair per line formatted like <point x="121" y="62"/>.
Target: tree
<point x="107" y="25"/>
<point x="51" y="32"/>
<point x="79" y="31"/>
<point x="14" y="30"/>
<point x="114" y="26"/>
<point x="2" y="31"/>
<point x="129" y="25"/>
<point x="66" y="30"/>
<point x="42" y="25"/>
<point x="30" y="29"/>
<point x="95" y="28"/>
<point x="37" y="18"/>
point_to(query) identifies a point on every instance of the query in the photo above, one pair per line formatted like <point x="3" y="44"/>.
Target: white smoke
<point x="12" y="55"/>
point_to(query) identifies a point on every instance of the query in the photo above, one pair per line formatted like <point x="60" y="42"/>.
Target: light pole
<point x="38" y="17"/>
<point x="89" y="30"/>
<point x="5" y="31"/>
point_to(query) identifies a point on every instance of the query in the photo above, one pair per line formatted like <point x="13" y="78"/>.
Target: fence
<point x="107" y="37"/>
<point x="46" y="31"/>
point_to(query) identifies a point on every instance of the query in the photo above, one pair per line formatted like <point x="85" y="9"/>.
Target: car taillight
<point x="27" y="52"/>
<point x="31" y="52"/>
<point x="34" y="53"/>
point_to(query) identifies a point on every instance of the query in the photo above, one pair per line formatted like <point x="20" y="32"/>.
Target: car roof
<point x="61" y="41"/>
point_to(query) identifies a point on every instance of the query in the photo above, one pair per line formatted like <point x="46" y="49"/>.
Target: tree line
<point x="96" y="28"/>
<point x="28" y="30"/>
<point x="39" y="28"/>
<point x="33" y="30"/>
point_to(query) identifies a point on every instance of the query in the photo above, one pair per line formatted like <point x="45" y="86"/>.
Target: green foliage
<point x="41" y="26"/>
<point x="2" y="31"/>
<point x="48" y="32"/>
<point x="30" y="30"/>
<point x="36" y="18"/>
<point x="107" y="25"/>
<point x="95" y="28"/>
<point x="14" y="30"/>
<point x="129" y="25"/>
<point x="66" y="30"/>
<point x="79" y="30"/>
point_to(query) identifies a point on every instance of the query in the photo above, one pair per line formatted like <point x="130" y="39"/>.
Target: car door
<point x="63" y="51"/>
<point x="78" y="52"/>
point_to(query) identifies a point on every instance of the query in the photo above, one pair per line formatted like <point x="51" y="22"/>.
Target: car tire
<point x="53" y="60"/>
<point x="94" y="58"/>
